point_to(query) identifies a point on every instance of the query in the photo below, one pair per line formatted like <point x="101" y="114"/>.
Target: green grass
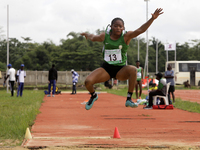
<point x="18" y="113"/>
<point x="181" y="87"/>
<point x="187" y="105"/>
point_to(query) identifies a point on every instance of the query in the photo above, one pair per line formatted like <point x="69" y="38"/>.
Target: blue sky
<point x="44" y="20"/>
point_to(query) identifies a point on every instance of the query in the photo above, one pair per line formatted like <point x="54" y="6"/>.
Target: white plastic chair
<point x="164" y="97"/>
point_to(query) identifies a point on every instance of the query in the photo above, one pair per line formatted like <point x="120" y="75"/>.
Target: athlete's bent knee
<point x="88" y="82"/>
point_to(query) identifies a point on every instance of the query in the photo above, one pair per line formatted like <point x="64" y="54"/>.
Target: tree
<point x="80" y="54"/>
<point x="27" y="39"/>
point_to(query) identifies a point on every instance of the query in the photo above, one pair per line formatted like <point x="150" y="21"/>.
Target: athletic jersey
<point x="11" y="73"/>
<point x="75" y="76"/>
<point x="162" y="86"/>
<point x="21" y="75"/>
<point x="139" y="73"/>
<point x="114" y="51"/>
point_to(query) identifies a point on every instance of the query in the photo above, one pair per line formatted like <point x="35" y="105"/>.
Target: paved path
<point x="63" y="121"/>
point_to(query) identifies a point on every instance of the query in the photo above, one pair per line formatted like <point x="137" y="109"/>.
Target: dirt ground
<point x="65" y="124"/>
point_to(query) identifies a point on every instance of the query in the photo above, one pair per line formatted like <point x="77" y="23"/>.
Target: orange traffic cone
<point x="116" y="133"/>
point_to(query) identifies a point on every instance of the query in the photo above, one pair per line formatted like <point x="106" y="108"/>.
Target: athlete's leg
<point x="173" y="97"/>
<point x="22" y="88"/>
<point x="97" y="76"/>
<point x="136" y="89"/>
<point x="140" y="85"/>
<point x="75" y="88"/>
<point x="18" y="89"/>
<point x="128" y="72"/>
<point x="12" y="87"/>
<point x="54" y="86"/>
<point x="49" y="89"/>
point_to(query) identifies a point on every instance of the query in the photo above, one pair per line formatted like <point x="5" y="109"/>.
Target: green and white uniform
<point x="114" y="51"/>
<point x="139" y="73"/>
<point x="162" y="85"/>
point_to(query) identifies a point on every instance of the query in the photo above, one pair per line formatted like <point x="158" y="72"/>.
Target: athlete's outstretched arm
<point x="92" y="37"/>
<point x="144" y="27"/>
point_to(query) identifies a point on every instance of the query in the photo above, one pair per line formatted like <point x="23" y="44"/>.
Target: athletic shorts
<point x="111" y="69"/>
<point x="171" y="89"/>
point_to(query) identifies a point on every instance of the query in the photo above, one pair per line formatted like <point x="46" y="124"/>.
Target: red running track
<point x="63" y="121"/>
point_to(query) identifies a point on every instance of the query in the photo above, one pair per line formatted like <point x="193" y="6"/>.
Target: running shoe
<point x="90" y="103"/>
<point x="130" y="103"/>
<point x="49" y="95"/>
<point x="53" y="95"/>
<point x="148" y="107"/>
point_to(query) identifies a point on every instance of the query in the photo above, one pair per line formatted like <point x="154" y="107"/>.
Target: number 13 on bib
<point x="113" y="56"/>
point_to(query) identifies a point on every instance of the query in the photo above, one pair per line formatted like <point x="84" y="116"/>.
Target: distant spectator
<point x="75" y="76"/>
<point x="52" y="77"/>
<point x="186" y="84"/>
<point x="115" y="82"/>
<point x="139" y="79"/>
<point x="169" y="75"/>
<point x="11" y="76"/>
<point x="160" y="91"/>
<point x="21" y="74"/>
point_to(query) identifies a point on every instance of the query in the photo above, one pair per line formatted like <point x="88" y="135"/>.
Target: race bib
<point x="113" y="56"/>
<point x="139" y="74"/>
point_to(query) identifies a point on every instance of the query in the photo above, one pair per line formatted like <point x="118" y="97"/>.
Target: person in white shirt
<point x="11" y="76"/>
<point x="21" y="74"/>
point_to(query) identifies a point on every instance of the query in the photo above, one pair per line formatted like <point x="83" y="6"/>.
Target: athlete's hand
<point x="85" y="35"/>
<point x="157" y="12"/>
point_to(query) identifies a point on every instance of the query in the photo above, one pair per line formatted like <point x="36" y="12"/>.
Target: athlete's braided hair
<point x="115" y="19"/>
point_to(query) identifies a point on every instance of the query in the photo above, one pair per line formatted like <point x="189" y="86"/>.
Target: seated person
<point x="151" y="82"/>
<point x="186" y="84"/>
<point x="153" y="87"/>
<point x="160" y="91"/>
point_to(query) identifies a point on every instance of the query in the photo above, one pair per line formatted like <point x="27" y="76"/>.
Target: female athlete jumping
<point x="116" y="42"/>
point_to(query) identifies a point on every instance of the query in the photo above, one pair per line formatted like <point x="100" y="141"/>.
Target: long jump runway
<point x="63" y="121"/>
